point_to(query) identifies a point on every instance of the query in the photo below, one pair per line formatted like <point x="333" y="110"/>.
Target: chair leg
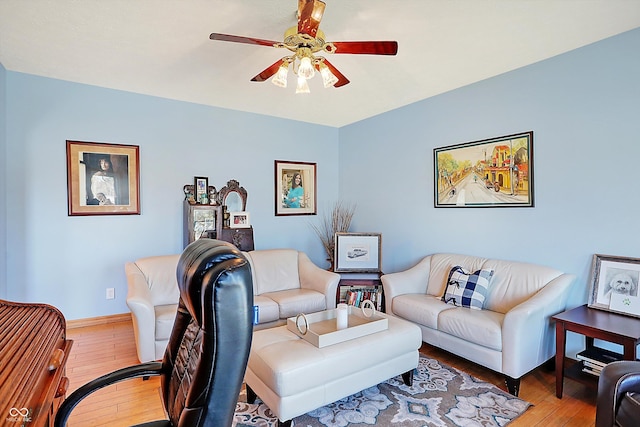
<point x="407" y="377"/>
<point x="251" y="395"/>
<point x="284" y="423"/>
<point x="513" y="385"/>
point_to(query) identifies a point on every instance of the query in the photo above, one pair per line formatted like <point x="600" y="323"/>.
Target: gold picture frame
<point x="103" y="179"/>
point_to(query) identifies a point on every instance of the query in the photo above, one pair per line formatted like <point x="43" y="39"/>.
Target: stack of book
<point x="354" y="296"/>
<point x="595" y="358"/>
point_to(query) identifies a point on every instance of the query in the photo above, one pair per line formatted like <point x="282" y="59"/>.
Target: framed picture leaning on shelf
<point x="614" y="284"/>
<point x="239" y="220"/>
<point x="357" y="252"/>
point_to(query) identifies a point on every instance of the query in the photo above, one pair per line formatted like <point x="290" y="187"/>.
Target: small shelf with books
<point x="354" y="291"/>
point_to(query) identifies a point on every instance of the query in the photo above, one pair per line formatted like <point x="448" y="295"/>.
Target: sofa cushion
<point x="268" y="310"/>
<point x="515" y="282"/>
<point x="165" y="317"/>
<point x="441" y="267"/>
<point x="419" y="308"/>
<point x="160" y="274"/>
<point x="482" y="327"/>
<point x="467" y="289"/>
<point x="295" y="301"/>
<point x="274" y="270"/>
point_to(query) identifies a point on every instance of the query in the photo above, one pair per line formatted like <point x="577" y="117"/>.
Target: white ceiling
<point x="162" y="47"/>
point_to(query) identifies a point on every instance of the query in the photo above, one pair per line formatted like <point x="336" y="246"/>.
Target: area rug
<point x="440" y="396"/>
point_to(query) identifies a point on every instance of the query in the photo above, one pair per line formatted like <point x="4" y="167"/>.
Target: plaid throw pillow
<point x="467" y="289"/>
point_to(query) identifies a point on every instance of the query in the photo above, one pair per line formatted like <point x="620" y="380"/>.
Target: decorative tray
<point x="322" y="327"/>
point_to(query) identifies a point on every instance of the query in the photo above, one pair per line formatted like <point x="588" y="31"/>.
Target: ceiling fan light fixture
<point x="305" y="69"/>
<point x="303" y="86"/>
<point x="280" y="79"/>
<point x="328" y="78"/>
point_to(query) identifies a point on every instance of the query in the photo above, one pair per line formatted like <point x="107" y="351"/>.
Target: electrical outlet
<point x="111" y="293"/>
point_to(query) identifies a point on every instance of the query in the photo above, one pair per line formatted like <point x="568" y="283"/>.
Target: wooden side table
<point x="593" y="323"/>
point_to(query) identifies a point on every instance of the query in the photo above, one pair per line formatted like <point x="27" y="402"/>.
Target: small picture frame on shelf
<point x="614" y="284"/>
<point x="357" y="252"/>
<point x="239" y="220"/>
<point x="201" y="190"/>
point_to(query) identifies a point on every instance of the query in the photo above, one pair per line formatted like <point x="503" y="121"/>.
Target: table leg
<point x="561" y="335"/>
<point x="588" y="342"/>
<point x="629" y="350"/>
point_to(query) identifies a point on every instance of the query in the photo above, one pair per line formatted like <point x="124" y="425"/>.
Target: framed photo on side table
<point x="357" y="252"/>
<point x="614" y="284"/>
<point x="103" y="179"/>
<point x="296" y="188"/>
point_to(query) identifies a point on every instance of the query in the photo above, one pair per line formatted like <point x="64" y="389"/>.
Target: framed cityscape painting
<point x="496" y="172"/>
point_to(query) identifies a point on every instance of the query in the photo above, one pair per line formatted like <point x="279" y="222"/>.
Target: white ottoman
<point x="292" y="376"/>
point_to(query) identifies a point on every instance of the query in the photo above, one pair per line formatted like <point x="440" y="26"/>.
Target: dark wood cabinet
<point x="242" y="238"/>
<point x="199" y="221"/>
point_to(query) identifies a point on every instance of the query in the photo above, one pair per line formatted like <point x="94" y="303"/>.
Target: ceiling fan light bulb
<point x="306" y="68"/>
<point x="303" y="86"/>
<point x="328" y="78"/>
<point x="280" y="79"/>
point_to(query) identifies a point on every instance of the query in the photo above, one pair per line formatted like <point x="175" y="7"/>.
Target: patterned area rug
<point x="440" y="396"/>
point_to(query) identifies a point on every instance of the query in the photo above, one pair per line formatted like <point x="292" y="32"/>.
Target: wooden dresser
<point x="33" y="354"/>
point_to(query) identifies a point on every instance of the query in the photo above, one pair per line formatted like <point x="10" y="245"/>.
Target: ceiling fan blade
<point x="268" y="72"/>
<point x="342" y="80"/>
<point x="309" y="16"/>
<point x="241" y="39"/>
<point x="367" y="48"/>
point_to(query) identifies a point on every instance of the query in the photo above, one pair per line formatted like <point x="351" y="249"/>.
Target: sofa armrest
<point x="616" y="379"/>
<point x="143" y="313"/>
<point x="411" y="281"/>
<point x="315" y="278"/>
<point x="528" y="335"/>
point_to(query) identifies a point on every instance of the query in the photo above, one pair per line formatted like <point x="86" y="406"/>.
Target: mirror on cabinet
<point x="233" y="197"/>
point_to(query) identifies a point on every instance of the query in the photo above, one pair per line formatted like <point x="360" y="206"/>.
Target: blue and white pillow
<point x="467" y="289"/>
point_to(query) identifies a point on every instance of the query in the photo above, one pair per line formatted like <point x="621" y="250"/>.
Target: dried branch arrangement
<point x="338" y="221"/>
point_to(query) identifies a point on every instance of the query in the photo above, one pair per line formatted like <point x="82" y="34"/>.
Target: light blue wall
<point x="584" y="110"/>
<point x="70" y="261"/>
<point x="3" y="184"/>
<point x="583" y="107"/>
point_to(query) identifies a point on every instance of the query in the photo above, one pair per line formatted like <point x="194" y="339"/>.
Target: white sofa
<point x="152" y="298"/>
<point x="286" y="283"/>
<point x="512" y="333"/>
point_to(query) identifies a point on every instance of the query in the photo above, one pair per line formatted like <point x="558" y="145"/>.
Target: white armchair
<point x="153" y="300"/>
<point x="286" y="283"/>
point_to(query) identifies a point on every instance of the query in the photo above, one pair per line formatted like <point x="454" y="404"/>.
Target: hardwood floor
<point x="101" y="349"/>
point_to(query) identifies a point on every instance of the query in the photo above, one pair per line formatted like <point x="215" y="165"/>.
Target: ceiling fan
<point x="304" y="41"/>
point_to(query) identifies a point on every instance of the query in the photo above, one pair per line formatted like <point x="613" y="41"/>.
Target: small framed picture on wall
<point x="295" y="188"/>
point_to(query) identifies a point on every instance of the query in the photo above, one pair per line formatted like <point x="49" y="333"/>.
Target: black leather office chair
<point x="618" y="401"/>
<point x="204" y="364"/>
